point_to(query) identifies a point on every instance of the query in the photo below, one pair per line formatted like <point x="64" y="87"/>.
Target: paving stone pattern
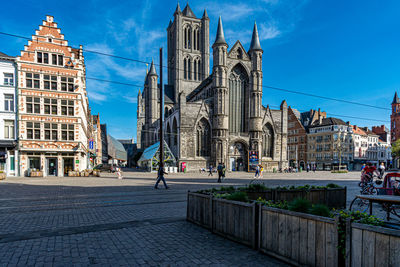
<point x="108" y="222"/>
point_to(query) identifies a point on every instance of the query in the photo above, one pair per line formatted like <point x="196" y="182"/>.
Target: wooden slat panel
<point x="295" y="221"/>
<point x="356" y="247"/>
<point x="320" y="243"/>
<point x="267" y="230"/>
<point x="288" y="236"/>
<point x="331" y="250"/>
<point x="303" y="240"/>
<point x="311" y="242"/>
<point x="275" y="232"/>
<point x="394" y="255"/>
<point x="368" y="256"/>
<point x="382" y="248"/>
<point x="281" y="235"/>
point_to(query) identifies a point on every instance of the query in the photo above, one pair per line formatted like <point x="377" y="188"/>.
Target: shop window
<point x="34" y="163"/>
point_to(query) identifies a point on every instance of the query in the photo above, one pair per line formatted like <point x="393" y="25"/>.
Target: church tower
<point x="188" y="50"/>
<point x="151" y="107"/>
<point x="395" y="119"/>
<point x="220" y="118"/>
<point x="255" y="125"/>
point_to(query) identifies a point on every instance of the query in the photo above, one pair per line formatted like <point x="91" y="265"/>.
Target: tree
<point x="396" y="149"/>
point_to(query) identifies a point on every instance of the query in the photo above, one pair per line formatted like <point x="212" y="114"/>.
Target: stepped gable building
<point x="212" y="117"/>
<point x="53" y="108"/>
<point x="395" y="119"/>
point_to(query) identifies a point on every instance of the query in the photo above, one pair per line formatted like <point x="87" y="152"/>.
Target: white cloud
<point x="131" y="99"/>
<point x="229" y="11"/>
<point x="268" y="31"/>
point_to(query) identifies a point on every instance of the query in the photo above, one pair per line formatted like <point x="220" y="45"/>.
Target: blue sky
<point x="341" y="49"/>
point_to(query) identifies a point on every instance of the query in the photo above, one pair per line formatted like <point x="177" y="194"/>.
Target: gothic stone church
<point x="217" y="117"/>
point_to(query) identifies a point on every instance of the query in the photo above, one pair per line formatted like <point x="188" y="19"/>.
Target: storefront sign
<point x="77" y="161"/>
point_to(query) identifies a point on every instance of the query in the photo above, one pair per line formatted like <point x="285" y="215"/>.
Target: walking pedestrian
<point x="219" y="169"/>
<point x="261" y="171"/>
<point x="257" y="171"/>
<point x="160" y="178"/>
<point x="210" y="169"/>
<point x="119" y="173"/>
<point x="223" y="171"/>
<point x="314" y="168"/>
<point x="308" y="167"/>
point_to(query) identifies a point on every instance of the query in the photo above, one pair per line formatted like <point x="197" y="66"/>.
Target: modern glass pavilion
<point x="151" y="157"/>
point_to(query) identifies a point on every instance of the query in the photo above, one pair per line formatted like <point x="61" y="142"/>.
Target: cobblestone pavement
<point x="109" y="222"/>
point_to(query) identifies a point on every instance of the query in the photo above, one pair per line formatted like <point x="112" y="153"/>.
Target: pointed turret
<point x="255" y="41"/>
<point x="205" y="15"/>
<point x="152" y="69"/>
<point x="396" y="99"/>
<point x="187" y="11"/>
<point x="178" y="9"/>
<point x="170" y="23"/>
<point x="220" y="38"/>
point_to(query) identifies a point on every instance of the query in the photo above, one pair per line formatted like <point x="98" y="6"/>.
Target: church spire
<point x="152" y="69"/>
<point x="220" y="38"/>
<point x="205" y="15"/>
<point x="255" y="41"/>
<point x="178" y="9"/>
<point x="396" y="99"/>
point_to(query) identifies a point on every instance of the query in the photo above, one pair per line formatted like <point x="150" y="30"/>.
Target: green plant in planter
<point x="272" y="204"/>
<point x="331" y="185"/>
<point x="238" y="196"/>
<point x="300" y="205"/>
<point x="256" y="187"/>
<point x="227" y="189"/>
<point x="320" y="210"/>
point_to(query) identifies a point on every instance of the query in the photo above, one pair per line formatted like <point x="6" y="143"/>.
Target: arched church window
<point x="203" y="138"/>
<point x="198" y="39"/>
<point x="189" y="69"/>
<point x="268" y="141"/>
<point x="198" y="70"/>
<point x="185" y="76"/>
<point x="195" y="69"/>
<point x="168" y="135"/>
<point x="189" y="38"/>
<point x="238" y="81"/>
<point x="175" y="132"/>
<point x="185" y="38"/>
<point x="195" y="39"/>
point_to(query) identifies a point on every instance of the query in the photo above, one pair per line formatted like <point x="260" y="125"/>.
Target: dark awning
<point x="8" y="143"/>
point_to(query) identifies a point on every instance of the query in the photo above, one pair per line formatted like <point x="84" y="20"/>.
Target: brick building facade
<point x="297" y="140"/>
<point x="53" y="108"/>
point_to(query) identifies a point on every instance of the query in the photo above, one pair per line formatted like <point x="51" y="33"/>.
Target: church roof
<point x="187" y="11"/>
<point x="205" y="15"/>
<point x="178" y="8"/>
<point x="220" y="38"/>
<point x="199" y="88"/>
<point x="396" y="99"/>
<point x="255" y="41"/>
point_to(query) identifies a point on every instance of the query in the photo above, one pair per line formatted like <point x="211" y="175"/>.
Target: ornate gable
<point x="238" y="52"/>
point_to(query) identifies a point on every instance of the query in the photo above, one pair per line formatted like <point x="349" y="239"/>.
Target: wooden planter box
<point x="199" y="209"/>
<point x="235" y="220"/>
<point x="2" y="176"/>
<point x="331" y="197"/>
<point x="368" y="245"/>
<point x="298" y="238"/>
<point x="36" y="174"/>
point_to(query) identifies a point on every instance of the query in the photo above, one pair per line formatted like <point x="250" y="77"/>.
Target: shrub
<point x="238" y="196"/>
<point x="270" y="203"/>
<point x="227" y="189"/>
<point x="256" y="187"/>
<point x="300" y="205"/>
<point x="331" y="185"/>
<point x="320" y="210"/>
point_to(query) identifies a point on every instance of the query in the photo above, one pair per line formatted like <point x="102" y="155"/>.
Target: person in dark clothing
<point x="223" y="170"/>
<point x="219" y="169"/>
<point x="210" y="169"/>
<point x="160" y="178"/>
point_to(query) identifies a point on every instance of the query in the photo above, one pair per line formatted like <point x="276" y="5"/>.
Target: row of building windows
<point x="51" y="106"/>
<point x="47" y="58"/>
<point x="50" y="82"/>
<point x="52" y="131"/>
<point x="191" y="38"/>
